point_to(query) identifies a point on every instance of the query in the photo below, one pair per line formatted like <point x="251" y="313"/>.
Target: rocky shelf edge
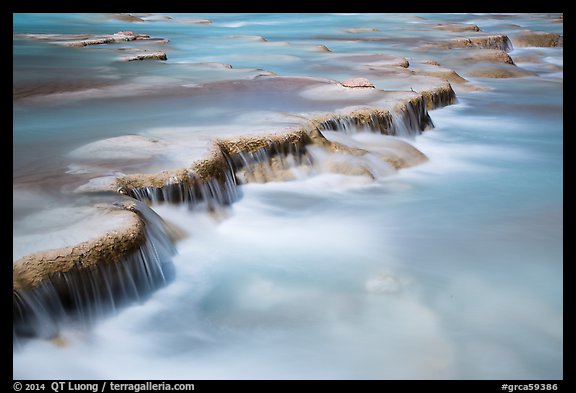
<point x="31" y="270"/>
<point x="41" y="275"/>
<point x="212" y="180"/>
<point x="94" y="276"/>
<point x="81" y="40"/>
<point x="499" y="41"/>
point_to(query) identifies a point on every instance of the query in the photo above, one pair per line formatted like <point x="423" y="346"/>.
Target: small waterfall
<point x="213" y="182"/>
<point x="268" y="159"/>
<point x="81" y="295"/>
<point x="409" y="118"/>
<point x="501" y="42"/>
<point x="439" y="97"/>
<point x="374" y="121"/>
<point x="264" y="165"/>
<point x="190" y="189"/>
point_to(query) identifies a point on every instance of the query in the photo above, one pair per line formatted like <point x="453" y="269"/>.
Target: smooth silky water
<point x="451" y="269"/>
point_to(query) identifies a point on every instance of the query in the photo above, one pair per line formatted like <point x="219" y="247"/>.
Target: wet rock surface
<point x="313" y="108"/>
<point x="428" y="91"/>
<point x="80" y="40"/>
<point x="542" y="39"/>
<point x="357" y="83"/>
<point x="499" y="71"/>
<point x="31" y="270"/>
<point x="147" y="56"/>
<point x="457" y="27"/>
<point x="500" y="42"/>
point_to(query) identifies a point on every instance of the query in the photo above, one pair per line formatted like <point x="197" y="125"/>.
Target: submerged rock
<point x="499" y="71"/>
<point x="127" y="17"/>
<point x="124" y="147"/>
<point x="195" y="21"/>
<point x="322" y="48"/>
<point x="60" y="341"/>
<point x="457" y="27"/>
<point x="361" y="29"/>
<point x="157" y="18"/>
<point x="357" y="82"/>
<point x="28" y="90"/>
<point x="430" y="62"/>
<point x="383" y="283"/>
<point x="248" y="37"/>
<point x="447" y="74"/>
<point x="444" y="91"/>
<point x="373" y="59"/>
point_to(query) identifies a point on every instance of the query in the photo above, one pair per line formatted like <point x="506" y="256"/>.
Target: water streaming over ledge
<point x="351" y="269"/>
<point x="221" y="188"/>
<point x="83" y="295"/>
<point x="86" y="294"/>
<point x="409" y="121"/>
<point x="192" y="191"/>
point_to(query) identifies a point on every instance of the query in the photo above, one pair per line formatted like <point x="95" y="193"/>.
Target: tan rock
<point x="485" y="56"/>
<point x="374" y="59"/>
<point x="358" y="83"/>
<point x="430" y="62"/>
<point x="501" y="42"/>
<point x="322" y="48"/>
<point x="127" y="17"/>
<point x="80" y="40"/>
<point x="506" y="26"/>
<point x="534" y="58"/>
<point x="31" y="270"/>
<point x="157" y="17"/>
<point x="148" y="56"/>
<point x="234" y="150"/>
<point x="248" y="37"/>
<point x="442" y="73"/>
<point x="455" y="80"/>
<point x="499" y="71"/>
<point x="439" y="96"/>
<point x="361" y="29"/>
<point x="457" y="27"/>
<point x="195" y="21"/>
<point x="542" y="39"/>
<point x="33" y="89"/>
<point x="469" y="87"/>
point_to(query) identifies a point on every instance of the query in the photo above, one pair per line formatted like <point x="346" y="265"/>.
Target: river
<point x="450" y="269"/>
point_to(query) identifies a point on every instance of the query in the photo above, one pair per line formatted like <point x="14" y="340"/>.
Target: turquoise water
<point x="448" y="270"/>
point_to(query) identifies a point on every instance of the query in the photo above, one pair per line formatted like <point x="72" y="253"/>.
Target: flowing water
<point x="451" y="269"/>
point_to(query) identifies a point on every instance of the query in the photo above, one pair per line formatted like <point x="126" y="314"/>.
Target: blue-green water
<point x="451" y="269"/>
